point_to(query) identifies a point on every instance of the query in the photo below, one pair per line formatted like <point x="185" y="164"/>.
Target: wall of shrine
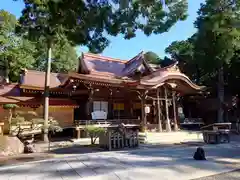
<point x="64" y="115"/>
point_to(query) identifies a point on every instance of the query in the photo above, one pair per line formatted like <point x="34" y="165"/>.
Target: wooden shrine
<point x="131" y="92"/>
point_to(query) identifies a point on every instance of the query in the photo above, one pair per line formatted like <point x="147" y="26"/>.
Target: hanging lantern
<point x="147" y="109"/>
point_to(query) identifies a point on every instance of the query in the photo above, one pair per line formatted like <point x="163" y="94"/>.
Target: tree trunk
<point x="10" y="120"/>
<point x="220" y="95"/>
<point x="92" y="140"/>
<point x="46" y="93"/>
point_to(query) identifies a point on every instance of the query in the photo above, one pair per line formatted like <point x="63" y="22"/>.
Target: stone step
<point x="171" y="137"/>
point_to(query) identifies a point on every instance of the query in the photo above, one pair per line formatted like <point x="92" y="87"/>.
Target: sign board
<point x="99" y="115"/>
<point x="180" y="110"/>
<point x="147" y="109"/>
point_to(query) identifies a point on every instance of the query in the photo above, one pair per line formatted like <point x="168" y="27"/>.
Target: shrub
<point x="94" y="132"/>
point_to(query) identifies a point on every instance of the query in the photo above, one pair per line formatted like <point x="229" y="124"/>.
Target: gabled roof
<point x="9" y="90"/>
<point x="34" y="78"/>
<point x="102" y="65"/>
<point x="103" y="70"/>
<point x="169" y="74"/>
<point x="105" y="66"/>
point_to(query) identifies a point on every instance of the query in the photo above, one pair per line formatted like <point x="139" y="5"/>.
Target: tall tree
<point x="64" y="56"/>
<point x="15" y="52"/>
<point x="184" y="52"/>
<point x="217" y="39"/>
<point x="88" y="22"/>
<point x="152" y="58"/>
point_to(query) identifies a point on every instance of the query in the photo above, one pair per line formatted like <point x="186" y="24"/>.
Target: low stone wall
<point x="10" y="146"/>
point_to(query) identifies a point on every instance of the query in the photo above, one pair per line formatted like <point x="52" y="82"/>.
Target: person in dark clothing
<point x="199" y="154"/>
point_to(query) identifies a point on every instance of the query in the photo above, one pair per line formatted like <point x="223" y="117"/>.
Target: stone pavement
<point x="233" y="175"/>
<point x="140" y="164"/>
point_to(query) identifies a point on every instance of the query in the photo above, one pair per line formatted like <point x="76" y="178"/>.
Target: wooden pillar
<point x="144" y="118"/>
<point x="78" y="133"/>
<point x="168" y="125"/>
<point x="174" y="111"/>
<point x="159" y="112"/>
<point x="90" y="103"/>
<point x="143" y="96"/>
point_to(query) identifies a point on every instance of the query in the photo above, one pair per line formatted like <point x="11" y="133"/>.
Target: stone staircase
<point x="170" y="137"/>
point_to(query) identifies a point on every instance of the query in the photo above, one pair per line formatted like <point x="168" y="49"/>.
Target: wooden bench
<point x="216" y="133"/>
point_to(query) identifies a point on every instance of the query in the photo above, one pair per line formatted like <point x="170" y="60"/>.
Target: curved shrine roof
<point x="97" y="68"/>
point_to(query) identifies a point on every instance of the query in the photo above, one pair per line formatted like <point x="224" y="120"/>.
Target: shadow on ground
<point x="177" y="159"/>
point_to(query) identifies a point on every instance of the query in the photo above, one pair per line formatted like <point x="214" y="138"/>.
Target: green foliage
<point x="17" y="120"/>
<point x="94" y="132"/>
<point x="89" y="22"/>
<point x="215" y="45"/>
<point x="64" y="56"/>
<point x="15" y="52"/>
<point x="52" y="127"/>
<point x="217" y="37"/>
<point x="152" y="57"/>
<point x="9" y="106"/>
<point x="184" y="53"/>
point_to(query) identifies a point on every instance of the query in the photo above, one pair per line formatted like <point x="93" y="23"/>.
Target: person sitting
<point x="199" y="154"/>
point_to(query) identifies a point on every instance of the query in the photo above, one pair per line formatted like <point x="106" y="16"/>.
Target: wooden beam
<point x="168" y="125"/>
<point x="143" y="102"/>
<point x="79" y="92"/>
<point x="159" y="112"/>
<point x="174" y="111"/>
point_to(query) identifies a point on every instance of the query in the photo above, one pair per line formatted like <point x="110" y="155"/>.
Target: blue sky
<point x="126" y="49"/>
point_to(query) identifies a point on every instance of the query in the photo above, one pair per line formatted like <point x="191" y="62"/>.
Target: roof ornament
<point x="173" y="68"/>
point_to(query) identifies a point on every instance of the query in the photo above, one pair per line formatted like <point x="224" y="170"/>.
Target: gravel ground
<point x="234" y="175"/>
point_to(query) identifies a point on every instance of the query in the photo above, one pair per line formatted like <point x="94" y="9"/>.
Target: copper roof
<point x="92" y="63"/>
<point x="37" y="79"/>
<point x="101" y="69"/>
<point x="110" y="67"/>
<point x="9" y="90"/>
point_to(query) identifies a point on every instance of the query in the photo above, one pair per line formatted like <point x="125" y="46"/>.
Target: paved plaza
<point x="140" y="164"/>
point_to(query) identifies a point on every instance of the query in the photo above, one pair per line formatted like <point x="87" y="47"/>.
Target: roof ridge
<point x="129" y="61"/>
<point x="41" y="72"/>
<point x="107" y="58"/>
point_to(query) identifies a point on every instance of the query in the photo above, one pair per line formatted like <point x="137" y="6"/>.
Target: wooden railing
<point x="106" y="122"/>
<point x="190" y="121"/>
<point x="216" y="133"/>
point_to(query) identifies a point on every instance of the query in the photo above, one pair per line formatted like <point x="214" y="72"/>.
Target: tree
<point x="152" y="57"/>
<point x="184" y="53"/>
<point x="94" y="132"/>
<point x="87" y="22"/>
<point x="64" y="56"/>
<point x="10" y="107"/>
<point x="16" y="52"/>
<point x="217" y="39"/>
